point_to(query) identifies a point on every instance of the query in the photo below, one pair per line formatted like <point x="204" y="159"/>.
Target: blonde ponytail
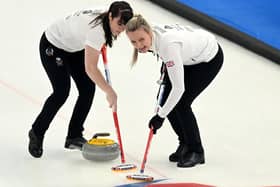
<point x="135" y="23"/>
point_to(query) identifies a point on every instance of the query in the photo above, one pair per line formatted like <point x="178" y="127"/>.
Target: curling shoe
<point x="191" y="159"/>
<point x="75" y="143"/>
<point x="35" y="144"/>
<point x="174" y="157"/>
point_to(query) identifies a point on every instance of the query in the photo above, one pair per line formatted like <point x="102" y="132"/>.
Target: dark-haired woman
<point x="70" y="47"/>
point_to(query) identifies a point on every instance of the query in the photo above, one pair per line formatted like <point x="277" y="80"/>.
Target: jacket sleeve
<point x="174" y="64"/>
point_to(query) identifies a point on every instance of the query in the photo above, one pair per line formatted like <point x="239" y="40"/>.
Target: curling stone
<point x="100" y="149"/>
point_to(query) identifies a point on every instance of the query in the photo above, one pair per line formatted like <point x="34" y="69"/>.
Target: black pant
<point x="60" y="66"/>
<point x="182" y="119"/>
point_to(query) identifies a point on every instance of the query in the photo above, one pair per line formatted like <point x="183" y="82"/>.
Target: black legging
<point x="60" y="66"/>
<point x="182" y="119"/>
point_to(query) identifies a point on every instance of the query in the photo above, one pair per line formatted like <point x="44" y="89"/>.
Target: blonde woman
<point x="191" y="60"/>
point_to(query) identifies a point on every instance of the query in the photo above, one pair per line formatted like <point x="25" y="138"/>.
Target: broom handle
<point x="160" y="96"/>
<point x="115" y="116"/>
<point x="147" y="150"/>
<point x="116" y="122"/>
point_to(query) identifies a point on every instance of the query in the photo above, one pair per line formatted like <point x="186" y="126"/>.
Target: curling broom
<point x="123" y="166"/>
<point x="141" y="176"/>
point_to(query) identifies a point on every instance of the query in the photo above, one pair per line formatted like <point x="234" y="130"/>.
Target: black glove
<point x="156" y="123"/>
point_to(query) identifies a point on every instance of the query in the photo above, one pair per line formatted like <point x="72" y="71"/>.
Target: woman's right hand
<point x="91" y="61"/>
<point x="111" y="97"/>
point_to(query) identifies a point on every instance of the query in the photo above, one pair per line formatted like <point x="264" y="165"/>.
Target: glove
<point x="155" y="123"/>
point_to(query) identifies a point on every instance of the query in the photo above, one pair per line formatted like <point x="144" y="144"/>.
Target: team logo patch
<point x="170" y="64"/>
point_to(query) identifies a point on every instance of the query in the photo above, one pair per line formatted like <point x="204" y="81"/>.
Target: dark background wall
<point x="252" y="24"/>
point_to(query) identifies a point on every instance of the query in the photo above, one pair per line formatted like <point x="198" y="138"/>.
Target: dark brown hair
<point x="117" y="9"/>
